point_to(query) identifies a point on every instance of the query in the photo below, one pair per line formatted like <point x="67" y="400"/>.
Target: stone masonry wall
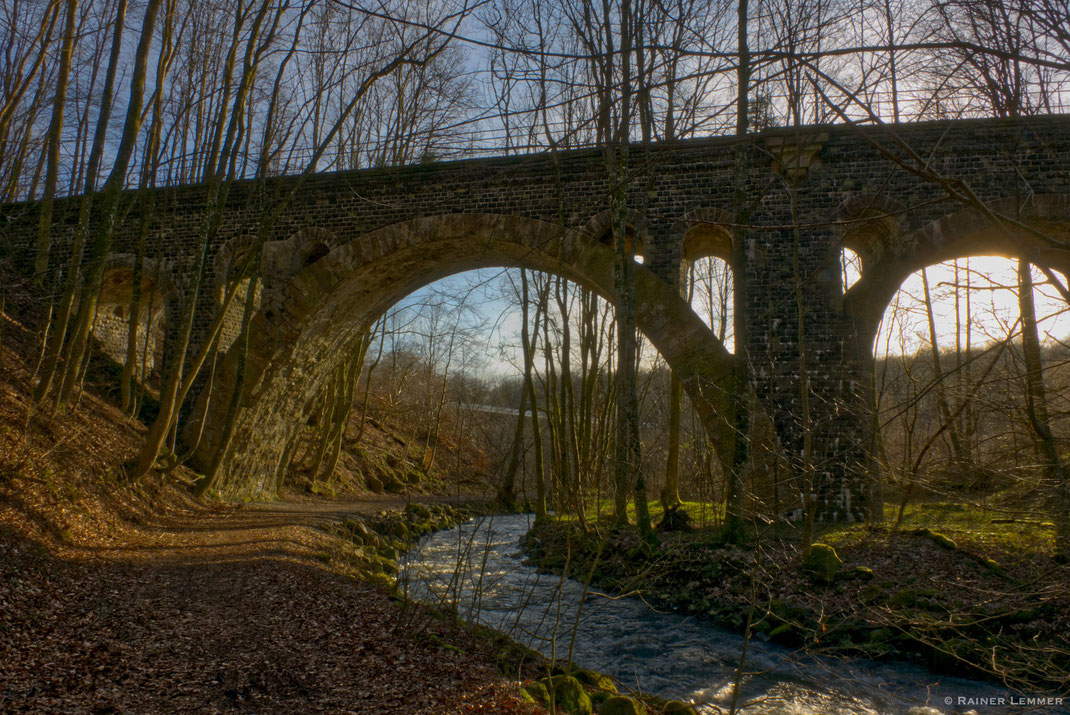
<point x="798" y="181"/>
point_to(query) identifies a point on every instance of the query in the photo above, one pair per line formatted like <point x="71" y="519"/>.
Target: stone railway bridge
<point x="346" y="246"/>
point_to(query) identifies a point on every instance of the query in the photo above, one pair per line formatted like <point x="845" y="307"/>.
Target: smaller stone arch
<point x="871" y="226"/>
<point x="284" y="259"/>
<point x="158" y="295"/>
<point x="118" y="279"/>
<point x="706" y="234"/>
<point x="311" y="244"/>
<point x="231" y="263"/>
<point x="599" y="229"/>
<point x="280" y="261"/>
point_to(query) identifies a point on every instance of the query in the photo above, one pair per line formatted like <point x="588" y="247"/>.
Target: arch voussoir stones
<point x="327" y="305"/>
<point x="364" y="238"/>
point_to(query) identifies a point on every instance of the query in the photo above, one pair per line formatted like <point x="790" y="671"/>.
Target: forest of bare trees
<point x="104" y="100"/>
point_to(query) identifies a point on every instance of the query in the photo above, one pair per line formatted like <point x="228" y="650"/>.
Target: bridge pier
<point x="379" y="234"/>
<point x="803" y="366"/>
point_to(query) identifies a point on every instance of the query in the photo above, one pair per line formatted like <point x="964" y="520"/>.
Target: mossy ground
<point x="955" y="588"/>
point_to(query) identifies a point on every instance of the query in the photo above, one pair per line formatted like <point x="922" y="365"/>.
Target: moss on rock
<point x="862" y="573"/>
<point x="596" y="680"/>
<point x="937" y="538"/>
<point x="822" y="563"/>
<point x="536" y="692"/>
<point x="569" y="695"/>
<point x="621" y="705"/>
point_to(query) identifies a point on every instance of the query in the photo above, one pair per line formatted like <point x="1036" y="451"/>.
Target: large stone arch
<point x="328" y="303"/>
<point x="1039" y="230"/>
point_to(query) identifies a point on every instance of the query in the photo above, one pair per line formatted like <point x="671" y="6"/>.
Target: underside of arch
<point x="111" y="324"/>
<point x="707" y="234"/>
<point x="328" y="304"/>
<point x="1038" y="231"/>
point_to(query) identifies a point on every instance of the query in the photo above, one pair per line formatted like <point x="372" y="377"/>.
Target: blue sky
<point x="476" y="300"/>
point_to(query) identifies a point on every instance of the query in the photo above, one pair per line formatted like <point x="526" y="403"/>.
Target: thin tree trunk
<point x="129" y="375"/>
<point x="528" y="339"/>
<point x="736" y="487"/>
<point x="1037" y="411"/>
<point x="109" y="204"/>
<point x="211" y="475"/>
<point x="958" y="455"/>
<point x="55" y="131"/>
<point x="507" y="491"/>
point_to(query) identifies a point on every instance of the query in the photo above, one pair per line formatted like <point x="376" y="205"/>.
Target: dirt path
<point x="234" y="609"/>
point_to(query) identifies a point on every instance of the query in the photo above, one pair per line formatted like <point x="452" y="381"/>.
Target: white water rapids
<point x="477" y="569"/>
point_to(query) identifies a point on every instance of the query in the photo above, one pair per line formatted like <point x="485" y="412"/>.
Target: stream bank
<point x="477" y="571"/>
<point x="913" y="595"/>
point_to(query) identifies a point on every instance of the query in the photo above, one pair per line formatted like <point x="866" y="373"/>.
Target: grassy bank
<point x="954" y="589"/>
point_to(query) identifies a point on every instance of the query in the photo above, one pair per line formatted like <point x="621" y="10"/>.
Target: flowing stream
<point x="477" y="568"/>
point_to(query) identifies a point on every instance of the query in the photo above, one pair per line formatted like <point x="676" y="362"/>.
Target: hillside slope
<point x="138" y="598"/>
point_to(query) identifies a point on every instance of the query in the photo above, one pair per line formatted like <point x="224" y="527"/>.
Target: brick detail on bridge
<point x="348" y="245"/>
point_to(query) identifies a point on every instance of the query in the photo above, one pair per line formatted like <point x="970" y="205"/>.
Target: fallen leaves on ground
<point x="224" y="627"/>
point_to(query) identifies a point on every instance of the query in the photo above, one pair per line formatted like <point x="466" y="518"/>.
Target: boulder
<point x="621" y="705"/>
<point x="536" y="693"/>
<point x="399" y="530"/>
<point x="570" y="697"/>
<point x="862" y="573"/>
<point x="420" y="511"/>
<point x="822" y="563"/>
<point x="937" y="538"/>
<point x="596" y="680"/>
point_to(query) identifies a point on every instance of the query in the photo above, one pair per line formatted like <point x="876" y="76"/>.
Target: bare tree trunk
<point x="440" y="404"/>
<point x="129" y="374"/>
<point x="109" y="206"/>
<point x="736" y="486"/>
<point x="528" y="339"/>
<point x="958" y="454"/>
<point x="171" y="391"/>
<point x="350" y="377"/>
<point x="332" y="416"/>
<point x="1037" y="411"/>
<point x="507" y="491"/>
<point x="55" y="131"/>
<point x="381" y="332"/>
<point x="572" y="477"/>
<point x="670" y="493"/>
<point x="806" y="463"/>
<point x="211" y="475"/>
